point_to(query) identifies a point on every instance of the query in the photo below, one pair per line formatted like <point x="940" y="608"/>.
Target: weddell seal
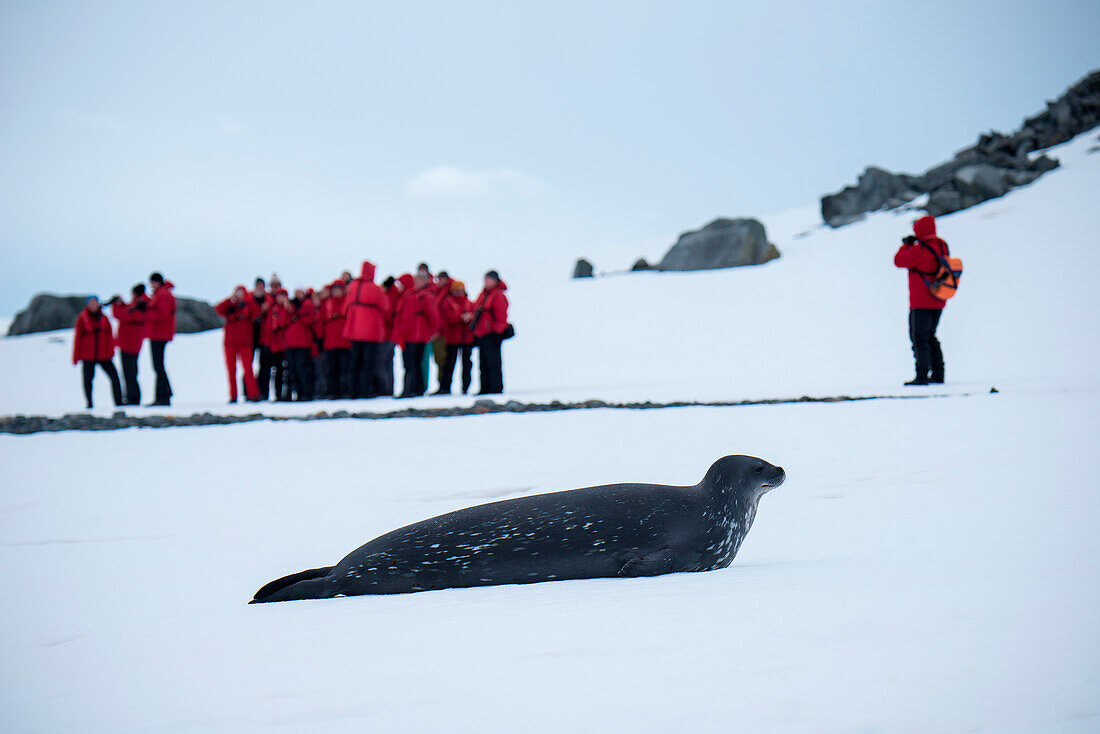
<point x="595" y="532"/>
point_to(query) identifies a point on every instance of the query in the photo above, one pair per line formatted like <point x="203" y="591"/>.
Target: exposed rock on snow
<point x="992" y="167"/>
<point x="724" y="243"/>
<point x="583" y="269"/>
<point x="48" y="312"/>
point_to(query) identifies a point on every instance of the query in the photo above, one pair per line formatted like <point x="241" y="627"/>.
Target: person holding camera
<point x="130" y="335"/>
<point x="239" y="311"/>
<point x="920" y="254"/>
<point x="94" y="344"/>
<point x="488" y="322"/>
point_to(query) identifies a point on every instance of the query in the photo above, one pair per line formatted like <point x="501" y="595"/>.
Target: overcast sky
<point x="217" y="141"/>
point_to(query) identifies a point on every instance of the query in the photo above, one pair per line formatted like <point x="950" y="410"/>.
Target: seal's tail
<point x="302" y="585"/>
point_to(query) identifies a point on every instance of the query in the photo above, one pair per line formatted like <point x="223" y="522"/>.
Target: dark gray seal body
<point x="595" y="532"/>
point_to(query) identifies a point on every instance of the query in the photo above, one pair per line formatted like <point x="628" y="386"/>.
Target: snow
<point x="929" y="565"/>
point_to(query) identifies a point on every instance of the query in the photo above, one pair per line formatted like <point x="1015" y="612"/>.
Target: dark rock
<point x="992" y="167"/>
<point x="724" y="243"/>
<point x="583" y="269"/>
<point x="49" y="312"/>
<point x="641" y="264"/>
<point x="876" y="189"/>
<point x="193" y="315"/>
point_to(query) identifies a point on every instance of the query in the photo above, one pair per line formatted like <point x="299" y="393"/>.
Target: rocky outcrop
<point x="26" y="424"/>
<point x="724" y="243"/>
<point x="49" y="312"/>
<point x="992" y="167"/>
<point x="583" y="269"/>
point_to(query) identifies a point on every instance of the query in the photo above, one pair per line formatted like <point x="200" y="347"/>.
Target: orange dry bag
<point x="945" y="282"/>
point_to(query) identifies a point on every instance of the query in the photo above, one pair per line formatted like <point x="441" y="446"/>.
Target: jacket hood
<point x="406" y="281"/>
<point x="924" y="228"/>
<point x="368" y="271"/>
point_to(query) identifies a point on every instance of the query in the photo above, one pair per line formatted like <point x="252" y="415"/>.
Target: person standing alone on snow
<point x="920" y="253"/>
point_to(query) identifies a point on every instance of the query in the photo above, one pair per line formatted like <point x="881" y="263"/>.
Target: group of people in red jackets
<point x="143" y="317"/>
<point x="339" y="341"/>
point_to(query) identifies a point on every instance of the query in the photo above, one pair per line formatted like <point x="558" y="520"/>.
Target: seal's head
<point x="746" y="477"/>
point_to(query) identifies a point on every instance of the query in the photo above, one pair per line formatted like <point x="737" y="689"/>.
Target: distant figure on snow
<point x="457" y="336"/>
<point x="130" y="335"/>
<point x="489" y="321"/>
<point x="94" y="344"/>
<point x="240" y="310"/>
<point x="920" y="253"/>
<point x="161" y="321"/>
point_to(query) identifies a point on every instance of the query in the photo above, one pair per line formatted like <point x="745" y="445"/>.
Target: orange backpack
<point x="945" y="282"/>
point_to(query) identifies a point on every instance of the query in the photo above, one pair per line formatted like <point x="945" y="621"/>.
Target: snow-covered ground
<point x="930" y="565"/>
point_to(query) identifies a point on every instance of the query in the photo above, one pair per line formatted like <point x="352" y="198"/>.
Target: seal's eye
<point x="759" y="469"/>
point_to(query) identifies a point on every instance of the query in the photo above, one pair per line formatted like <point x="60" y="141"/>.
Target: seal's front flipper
<point x="268" y="591"/>
<point x="652" y="564"/>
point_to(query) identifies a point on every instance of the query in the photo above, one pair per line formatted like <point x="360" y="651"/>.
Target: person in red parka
<point x="94" y="344"/>
<point x="457" y="336"/>
<point x="367" y="324"/>
<point x="920" y="254"/>
<point x="337" y="354"/>
<point x="239" y="312"/>
<point x="300" y="344"/>
<point x="161" y="323"/>
<point x="415" y="323"/>
<point x="440" y="290"/>
<point x="262" y="337"/>
<point x="278" y="318"/>
<point x="393" y="292"/>
<point x="129" y="337"/>
<point x="488" y="322"/>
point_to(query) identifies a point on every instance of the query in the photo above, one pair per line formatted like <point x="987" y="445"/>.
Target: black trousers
<point x="926" y="348"/>
<point x="89" y="372"/>
<point x="263" y="373"/>
<point x="320" y="373"/>
<point x="447" y="369"/>
<point x="282" y="381"/>
<point x="337" y="362"/>
<point x="492" y="370"/>
<point x="301" y="372"/>
<point x="387" y="366"/>
<point x="129" y="374"/>
<point x="413" y="357"/>
<point x="163" y="390"/>
<point x="368" y="380"/>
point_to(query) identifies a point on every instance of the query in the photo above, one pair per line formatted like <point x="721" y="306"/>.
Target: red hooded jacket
<point x="922" y="263"/>
<point x="93" y="340"/>
<point x="455" y="330"/>
<point x="131" y="324"/>
<point x="334" y="312"/>
<point x="299" y="330"/>
<point x="238" y="316"/>
<point x="494" y="311"/>
<point x="367" y="308"/>
<point x="160" y="316"/>
<point x="417" y="317"/>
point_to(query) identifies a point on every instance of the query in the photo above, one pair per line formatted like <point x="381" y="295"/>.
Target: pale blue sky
<point x="216" y="141"/>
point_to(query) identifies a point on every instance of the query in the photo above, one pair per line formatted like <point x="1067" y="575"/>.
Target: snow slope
<point x="930" y="565"/>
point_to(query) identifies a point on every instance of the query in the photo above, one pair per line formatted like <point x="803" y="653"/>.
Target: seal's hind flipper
<point x="652" y="564"/>
<point x="266" y="592"/>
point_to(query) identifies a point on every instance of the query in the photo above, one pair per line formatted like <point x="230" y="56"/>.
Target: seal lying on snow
<point x="595" y="532"/>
